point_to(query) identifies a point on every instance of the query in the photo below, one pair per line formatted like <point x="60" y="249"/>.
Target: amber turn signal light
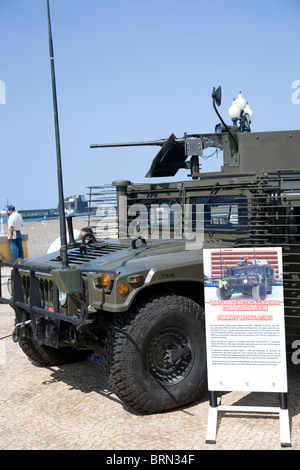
<point x="122" y="288"/>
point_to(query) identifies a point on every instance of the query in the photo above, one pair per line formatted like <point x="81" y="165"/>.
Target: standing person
<point x="15" y="222"/>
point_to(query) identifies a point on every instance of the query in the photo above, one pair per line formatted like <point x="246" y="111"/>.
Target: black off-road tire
<point x="47" y="356"/>
<point x="155" y="355"/>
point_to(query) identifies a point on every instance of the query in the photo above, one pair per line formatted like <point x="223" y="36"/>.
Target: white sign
<point x="244" y="314"/>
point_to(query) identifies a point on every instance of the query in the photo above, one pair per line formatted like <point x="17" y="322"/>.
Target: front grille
<point x="45" y="290"/>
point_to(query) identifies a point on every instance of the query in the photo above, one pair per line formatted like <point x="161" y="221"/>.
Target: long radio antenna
<point x="62" y="219"/>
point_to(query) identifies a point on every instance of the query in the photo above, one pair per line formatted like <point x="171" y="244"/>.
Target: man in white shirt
<point x="15" y="222"/>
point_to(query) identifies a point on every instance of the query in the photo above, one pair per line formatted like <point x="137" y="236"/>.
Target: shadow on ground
<point x="89" y="376"/>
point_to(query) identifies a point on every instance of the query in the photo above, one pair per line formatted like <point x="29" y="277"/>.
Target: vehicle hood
<point x="116" y="254"/>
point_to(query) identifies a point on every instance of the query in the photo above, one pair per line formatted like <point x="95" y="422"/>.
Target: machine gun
<point x="174" y="152"/>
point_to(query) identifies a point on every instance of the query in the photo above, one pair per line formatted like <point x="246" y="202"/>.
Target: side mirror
<point x="217" y="95"/>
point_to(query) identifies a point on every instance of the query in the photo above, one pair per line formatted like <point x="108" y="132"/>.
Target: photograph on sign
<point x="244" y="315"/>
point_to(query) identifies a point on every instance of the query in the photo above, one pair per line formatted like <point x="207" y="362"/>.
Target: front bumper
<point x="37" y="306"/>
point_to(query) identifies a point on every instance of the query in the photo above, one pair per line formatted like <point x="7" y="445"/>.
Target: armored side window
<point x="224" y="212"/>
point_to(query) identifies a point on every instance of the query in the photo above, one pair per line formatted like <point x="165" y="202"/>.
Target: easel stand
<point x="282" y="410"/>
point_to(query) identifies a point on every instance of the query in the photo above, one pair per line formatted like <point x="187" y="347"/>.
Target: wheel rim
<point x="169" y="356"/>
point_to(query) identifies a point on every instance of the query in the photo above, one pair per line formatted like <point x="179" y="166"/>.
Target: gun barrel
<point x="130" y="144"/>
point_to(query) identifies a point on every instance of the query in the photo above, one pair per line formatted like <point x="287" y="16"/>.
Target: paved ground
<point x="71" y="408"/>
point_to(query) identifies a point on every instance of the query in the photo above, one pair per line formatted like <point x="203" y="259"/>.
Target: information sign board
<point x="244" y="316"/>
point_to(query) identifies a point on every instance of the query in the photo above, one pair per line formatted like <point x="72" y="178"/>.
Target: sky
<point x="134" y="70"/>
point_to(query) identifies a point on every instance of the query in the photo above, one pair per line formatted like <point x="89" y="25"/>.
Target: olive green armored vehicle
<point x="138" y="300"/>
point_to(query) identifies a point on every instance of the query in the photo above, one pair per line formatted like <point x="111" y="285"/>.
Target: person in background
<point x="15" y="222"/>
<point x="84" y="231"/>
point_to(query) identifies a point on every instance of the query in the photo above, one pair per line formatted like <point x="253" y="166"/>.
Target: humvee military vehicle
<point x="139" y="300"/>
<point x="252" y="277"/>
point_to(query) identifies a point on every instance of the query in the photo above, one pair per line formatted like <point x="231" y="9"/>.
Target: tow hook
<point x="17" y="333"/>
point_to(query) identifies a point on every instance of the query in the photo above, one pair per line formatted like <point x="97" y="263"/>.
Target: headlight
<point x="106" y="282"/>
<point x="245" y="281"/>
<point x="63" y="298"/>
